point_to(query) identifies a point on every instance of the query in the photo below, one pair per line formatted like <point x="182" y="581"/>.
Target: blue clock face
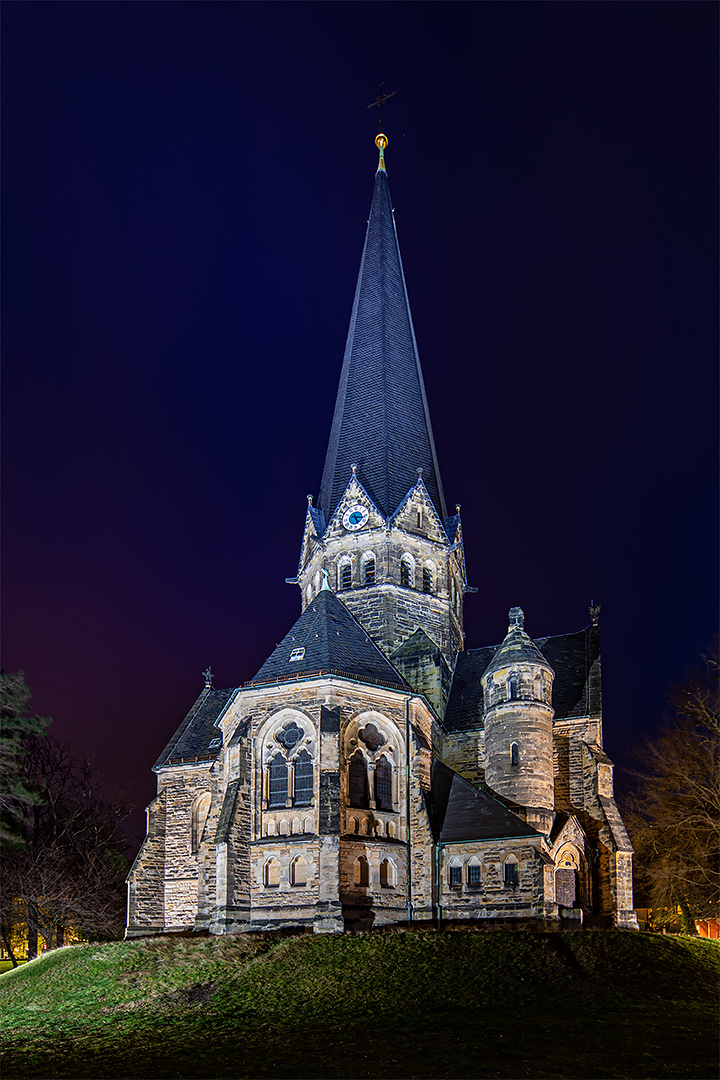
<point x="355" y="517"/>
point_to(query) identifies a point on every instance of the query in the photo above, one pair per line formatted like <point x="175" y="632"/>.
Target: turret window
<point x="514" y="754"/>
<point x="427" y="580"/>
<point x="358" y="781"/>
<point x="513" y="687"/>
<point x="278" y="781"/>
<point x="383" y="784"/>
<point x="303" y="779"/>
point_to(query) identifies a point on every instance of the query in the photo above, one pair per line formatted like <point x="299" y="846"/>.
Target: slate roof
<point x="575" y="659"/>
<point x="334" y="641"/>
<point x="459" y="811"/>
<point x="191" y="741"/>
<point x="517" y="648"/>
<point x="381" y="421"/>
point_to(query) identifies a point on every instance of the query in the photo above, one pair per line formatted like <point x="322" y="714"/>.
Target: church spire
<point x="381" y="420"/>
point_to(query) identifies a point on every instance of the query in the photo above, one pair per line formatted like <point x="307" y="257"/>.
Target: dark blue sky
<point x="184" y="195"/>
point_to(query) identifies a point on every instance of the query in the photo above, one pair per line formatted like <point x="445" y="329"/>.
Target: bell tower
<point x="380" y="530"/>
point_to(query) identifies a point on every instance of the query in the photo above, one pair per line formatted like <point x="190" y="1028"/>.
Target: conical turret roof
<point x="517" y="648"/>
<point x="381" y="421"/>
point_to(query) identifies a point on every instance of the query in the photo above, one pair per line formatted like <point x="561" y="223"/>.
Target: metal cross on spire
<point x="381" y="101"/>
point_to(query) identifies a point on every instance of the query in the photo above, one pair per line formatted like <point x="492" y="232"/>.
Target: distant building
<point x="374" y="770"/>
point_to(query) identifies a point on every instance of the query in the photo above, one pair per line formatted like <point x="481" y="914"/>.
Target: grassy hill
<point x="399" y="1004"/>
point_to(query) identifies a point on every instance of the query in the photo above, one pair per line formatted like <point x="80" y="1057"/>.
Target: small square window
<point x="297" y="654"/>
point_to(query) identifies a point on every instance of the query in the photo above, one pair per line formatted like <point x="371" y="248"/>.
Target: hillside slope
<point x="399" y="1004"/>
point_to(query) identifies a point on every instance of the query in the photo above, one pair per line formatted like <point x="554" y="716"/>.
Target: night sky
<point x="185" y="189"/>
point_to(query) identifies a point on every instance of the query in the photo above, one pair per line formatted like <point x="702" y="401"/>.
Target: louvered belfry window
<point x="369" y="571"/>
<point x="303" y="779"/>
<point x="345" y="576"/>
<point x="278" y="781"/>
<point x="383" y="784"/>
<point x="404" y="574"/>
<point x="358" y="782"/>
<point x="427" y="579"/>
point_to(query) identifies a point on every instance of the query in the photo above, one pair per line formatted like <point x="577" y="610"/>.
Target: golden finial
<point x="381" y="142"/>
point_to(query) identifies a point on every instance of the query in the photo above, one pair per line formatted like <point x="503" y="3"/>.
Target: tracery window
<point x="383" y="784"/>
<point x="358" y="781"/>
<point x="278" y="775"/>
<point x="303" y="779"/>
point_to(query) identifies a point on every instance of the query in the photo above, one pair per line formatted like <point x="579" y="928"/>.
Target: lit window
<point x="297" y="654"/>
<point x="456" y="876"/>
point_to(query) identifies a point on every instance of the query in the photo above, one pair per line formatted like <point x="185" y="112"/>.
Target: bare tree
<point x="71" y="868"/>
<point x="673" y="814"/>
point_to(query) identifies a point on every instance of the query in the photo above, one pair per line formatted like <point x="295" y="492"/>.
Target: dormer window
<point x="213" y="743"/>
<point x="297" y="654"/>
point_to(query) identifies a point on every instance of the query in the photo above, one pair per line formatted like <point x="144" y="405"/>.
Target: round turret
<point x="517" y="690"/>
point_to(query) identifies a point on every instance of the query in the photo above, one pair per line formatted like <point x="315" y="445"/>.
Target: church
<point x="376" y="771"/>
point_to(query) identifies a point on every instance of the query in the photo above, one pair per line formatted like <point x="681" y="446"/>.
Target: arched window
<point x="511" y="878"/>
<point x="199" y="815"/>
<point x="298" y="871"/>
<point x="406" y="571"/>
<point x="358" y="781"/>
<point x="383" y="784"/>
<point x="513" y="687"/>
<point x="540" y="687"/>
<point x="427" y="579"/>
<point x="272" y="874"/>
<point x="387" y="874"/>
<point x="345" y="575"/>
<point x="514" y="754"/>
<point x="456" y="876"/>
<point x="353" y="825"/>
<point x="278" y="781"/>
<point x="361" y="871"/>
<point x="474" y="874"/>
<point x="369" y="570"/>
<point x="303" y="779"/>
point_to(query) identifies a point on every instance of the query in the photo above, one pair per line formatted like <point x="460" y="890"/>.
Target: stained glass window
<point x="383" y="784"/>
<point x="303" y="779"/>
<point x="357" y="776"/>
<point x="278" y="781"/>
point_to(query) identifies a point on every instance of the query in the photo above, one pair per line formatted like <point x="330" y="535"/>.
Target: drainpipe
<point x="438" y="906"/>
<point x="407" y="807"/>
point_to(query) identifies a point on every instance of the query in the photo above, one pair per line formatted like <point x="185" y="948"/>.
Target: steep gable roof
<point x="459" y="811"/>
<point x="191" y="741"/>
<point x="327" y="638"/>
<point x="381" y="420"/>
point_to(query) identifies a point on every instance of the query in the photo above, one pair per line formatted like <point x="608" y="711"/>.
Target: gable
<point x="354" y="495"/>
<point x="416" y="514"/>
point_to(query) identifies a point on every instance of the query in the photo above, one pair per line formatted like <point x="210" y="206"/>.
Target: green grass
<point x="399" y="1004"/>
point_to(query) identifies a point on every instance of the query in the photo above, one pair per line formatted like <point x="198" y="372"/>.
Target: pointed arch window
<point x="511" y="876"/>
<point x="298" y="871"/>
<point x="361" y="874"/>
<point x="345" y="575"/>
<point x="272" y="874"/>
<point x="387" y="874"/>
<point x="406" y="571"/>
<point x="278" y="775"/>
<point x="513" y="688"/>
<point x="383" y="784"/>
<point x="427" y="579"/>
<point x="369" y="570"/>
<point x="303" y="779"/>
<point x="199" y="815"/>
<point x="358" y="781"/>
